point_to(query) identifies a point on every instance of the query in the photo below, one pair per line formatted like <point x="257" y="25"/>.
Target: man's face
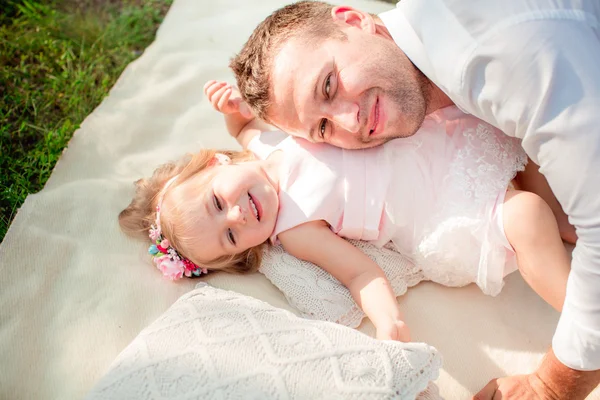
<point x="357" y="92"/>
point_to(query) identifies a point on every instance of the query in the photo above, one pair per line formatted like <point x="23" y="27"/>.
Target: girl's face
<point x="235" y="210"/>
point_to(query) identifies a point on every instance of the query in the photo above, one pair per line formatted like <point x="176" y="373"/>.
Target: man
<point x="532" y="69"/>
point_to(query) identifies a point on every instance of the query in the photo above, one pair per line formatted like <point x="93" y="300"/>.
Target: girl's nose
<point x="236" y="215"/>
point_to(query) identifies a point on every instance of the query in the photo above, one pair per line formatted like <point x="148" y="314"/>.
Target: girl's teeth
<point x="253" y="207"/>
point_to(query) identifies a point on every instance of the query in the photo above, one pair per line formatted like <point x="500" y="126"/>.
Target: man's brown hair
<point x="252" y="66"/>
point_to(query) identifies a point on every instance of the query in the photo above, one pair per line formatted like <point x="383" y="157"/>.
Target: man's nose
<point x="344" y="114"/>
<point x="236" y="215"/>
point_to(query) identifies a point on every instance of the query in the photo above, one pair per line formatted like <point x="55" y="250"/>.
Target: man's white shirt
<point x="532" y="69"/>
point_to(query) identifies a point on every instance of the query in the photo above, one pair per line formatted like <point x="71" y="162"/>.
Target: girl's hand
<point x="393" y="330"/>
<point x="226" y="99"/>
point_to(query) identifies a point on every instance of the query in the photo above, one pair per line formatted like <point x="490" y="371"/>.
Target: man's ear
<point x="353" y="17"/>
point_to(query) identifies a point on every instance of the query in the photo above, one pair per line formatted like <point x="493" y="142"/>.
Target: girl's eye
<point x="217" y="203"/>
<point x="230" y="236"/>
<point x="323" y="128"/>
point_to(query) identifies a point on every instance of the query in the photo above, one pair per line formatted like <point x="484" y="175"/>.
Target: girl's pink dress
<point x="437" y="196"/>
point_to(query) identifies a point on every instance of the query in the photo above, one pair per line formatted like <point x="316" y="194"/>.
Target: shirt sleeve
<point x="265" y="143"/>
<point x="540" y="81"/>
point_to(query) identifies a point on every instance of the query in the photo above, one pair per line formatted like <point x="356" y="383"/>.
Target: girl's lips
<point x="259" y="209"/>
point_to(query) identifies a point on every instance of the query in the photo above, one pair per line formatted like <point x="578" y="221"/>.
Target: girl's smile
<point x="236" y="207"/>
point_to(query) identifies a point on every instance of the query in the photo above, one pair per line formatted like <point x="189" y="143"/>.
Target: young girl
<point x="443" y="197"/>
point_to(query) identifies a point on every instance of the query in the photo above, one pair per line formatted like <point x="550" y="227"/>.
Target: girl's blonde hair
<point x="140" y="214"/>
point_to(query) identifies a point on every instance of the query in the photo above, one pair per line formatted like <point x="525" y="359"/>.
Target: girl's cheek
<point x="229" y="190"/>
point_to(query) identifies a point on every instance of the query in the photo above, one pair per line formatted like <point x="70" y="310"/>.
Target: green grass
<point x="58" y="59"/>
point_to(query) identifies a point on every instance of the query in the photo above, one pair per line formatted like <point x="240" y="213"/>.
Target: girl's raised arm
<point x="240" y="121"/>
<point x="315" y="242"/>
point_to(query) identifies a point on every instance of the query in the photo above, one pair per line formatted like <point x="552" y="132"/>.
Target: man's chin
<point x="378" y="141"/>
<point x="384" y="137"/>
<point x="362" y="144"/>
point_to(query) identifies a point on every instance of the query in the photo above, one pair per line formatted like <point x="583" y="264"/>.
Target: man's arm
<point x="565" y="382"/>
<point x="544" y="87"/>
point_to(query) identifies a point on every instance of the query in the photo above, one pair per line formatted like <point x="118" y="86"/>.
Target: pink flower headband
<point x="166" y="258"/>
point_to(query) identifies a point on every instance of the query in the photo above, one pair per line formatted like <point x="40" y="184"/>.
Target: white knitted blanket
<point x="318" y="295"/>
<point x="217" y="344"/>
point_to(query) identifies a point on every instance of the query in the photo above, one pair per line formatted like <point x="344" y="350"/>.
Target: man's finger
<point x="487" y="393"/>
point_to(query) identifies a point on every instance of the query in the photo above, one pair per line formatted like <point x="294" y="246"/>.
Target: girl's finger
<point x="211" y="86"/>
<point x="210" y="92"/>
<point x="208" y="84"/>
<point x="217" y="96"/>
<point x="225" y="98"/>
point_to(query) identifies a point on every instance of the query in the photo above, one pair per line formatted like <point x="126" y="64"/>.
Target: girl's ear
<point x="219" y="159"/>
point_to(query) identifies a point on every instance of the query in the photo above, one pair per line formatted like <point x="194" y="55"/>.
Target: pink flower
<point x="154" y="233"/>
<point x="172" y="269"/>
<point x="188" y="265"/>
<point x="165" y="244"/>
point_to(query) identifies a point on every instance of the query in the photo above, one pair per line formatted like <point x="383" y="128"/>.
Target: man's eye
<point x="323" y="128"/>
<point x="327" y="86"/>
<point x="230" y="236"/>
<point x="217" y="203"/>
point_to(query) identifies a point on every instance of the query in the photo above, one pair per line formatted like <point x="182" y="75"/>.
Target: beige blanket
<point x="74" y="291"/>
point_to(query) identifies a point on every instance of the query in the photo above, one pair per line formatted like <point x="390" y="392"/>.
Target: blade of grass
<point x="58" y="59"/>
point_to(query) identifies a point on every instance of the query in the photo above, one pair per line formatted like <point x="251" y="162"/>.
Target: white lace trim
<point x="484" y="167"/>
<point x="459" y="246"/>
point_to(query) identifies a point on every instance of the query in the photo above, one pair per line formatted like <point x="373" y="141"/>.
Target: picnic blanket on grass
<point x="75" y="291"/>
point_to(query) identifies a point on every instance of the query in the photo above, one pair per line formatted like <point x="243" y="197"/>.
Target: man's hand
<point x="551" y="381"/>
<point x="226" y="99"/>
<point x="522" y="387"/>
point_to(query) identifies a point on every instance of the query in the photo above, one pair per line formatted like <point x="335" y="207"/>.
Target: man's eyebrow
<point x="315" y="84"/>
